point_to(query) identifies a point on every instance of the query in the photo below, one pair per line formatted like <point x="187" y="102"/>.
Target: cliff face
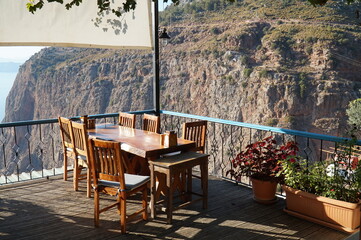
<point x="289" y="73"/>
<point x="70" y="82"/>
<point x="246" y="72"/>
<point x="242" y="63"/>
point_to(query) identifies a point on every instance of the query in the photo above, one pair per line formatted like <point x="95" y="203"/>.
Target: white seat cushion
<point x="131" y="181"/>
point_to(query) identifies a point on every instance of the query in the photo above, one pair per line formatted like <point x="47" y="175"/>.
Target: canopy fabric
<point x="81" y="26"/>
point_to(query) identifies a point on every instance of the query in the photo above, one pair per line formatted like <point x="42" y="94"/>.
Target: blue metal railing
<point x="260" y="127"/>
<point x="32" y="149"/>
<point x="55" y="120"/>
<point x="226" y="138"/>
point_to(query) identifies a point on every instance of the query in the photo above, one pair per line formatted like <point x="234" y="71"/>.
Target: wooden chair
<point x="151" y="123"/>
<point x="193" y="131"/>
<point x="127" y="120"/>
<point x="79" y="137"/>
<point x="196" y="131"/>
<point x="68" y="148"/>
<point x="107" y="165"/>
<point x="172" y="167"/>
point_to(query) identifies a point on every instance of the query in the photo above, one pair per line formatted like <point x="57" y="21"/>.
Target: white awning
<point x="80" y="26"/>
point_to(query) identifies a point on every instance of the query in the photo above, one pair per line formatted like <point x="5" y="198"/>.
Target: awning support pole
<point x="156" y="82"/>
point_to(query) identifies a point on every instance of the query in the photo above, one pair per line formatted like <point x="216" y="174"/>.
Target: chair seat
<point x="131" y="182"/>
<point x="178" y="159"/>
<point x="82" y="157"/>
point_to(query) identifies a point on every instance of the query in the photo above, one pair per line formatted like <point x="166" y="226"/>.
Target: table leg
<point x="143" y="166"/>
<point x="128" y="161"/>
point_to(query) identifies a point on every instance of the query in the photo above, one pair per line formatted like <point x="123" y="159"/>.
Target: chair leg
<point x="96" y="208"/>
<point x="144" y="203"/>
<point x="204" y="181"/>
<point x="161" y="185"/>
<point x="189" y="184"/>
<point x="65" y="175"/>
<point x="152" y="192"/>
<point x="169" y="196"/>
<point x="76" y="174"/>
<point x="180" y="183"/>
<point x="123" y="212"/>
<point x="88" y="181"/>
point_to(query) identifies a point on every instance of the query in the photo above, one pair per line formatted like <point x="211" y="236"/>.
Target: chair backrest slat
<point x="151" y="123"/>
<point x="196" y="131"/>
<point x="79" y="136"/>
<point x="127" y="119"/>
<point x="106" y="161"/>
<point x="65" y="134"/>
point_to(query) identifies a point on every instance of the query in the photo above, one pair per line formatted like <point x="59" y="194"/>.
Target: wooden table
<point x="139" y="144"/>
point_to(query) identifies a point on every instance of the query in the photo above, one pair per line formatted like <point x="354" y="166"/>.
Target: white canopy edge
<point x="81" y="26"/>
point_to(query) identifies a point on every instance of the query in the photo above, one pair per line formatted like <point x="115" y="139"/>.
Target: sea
<point x="6" y="82"/>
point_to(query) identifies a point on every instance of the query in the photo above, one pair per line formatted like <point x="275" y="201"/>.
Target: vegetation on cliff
<point x="276" y="63"/>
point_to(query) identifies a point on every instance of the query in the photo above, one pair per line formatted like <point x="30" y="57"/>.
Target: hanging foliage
<point x="103" y="5"/>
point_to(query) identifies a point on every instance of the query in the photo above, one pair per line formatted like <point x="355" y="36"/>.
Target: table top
<point x="139" y="142"/>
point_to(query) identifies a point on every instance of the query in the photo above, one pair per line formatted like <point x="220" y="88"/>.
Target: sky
<point x="162" y="4"/>
<point x="17" y="54"/>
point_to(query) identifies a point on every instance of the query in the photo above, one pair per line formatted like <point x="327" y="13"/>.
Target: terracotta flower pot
<point x="264" y="191"/>
<point x="339" y="215"/>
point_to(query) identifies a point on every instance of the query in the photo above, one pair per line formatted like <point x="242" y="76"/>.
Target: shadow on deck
<point x="50" y="209"/>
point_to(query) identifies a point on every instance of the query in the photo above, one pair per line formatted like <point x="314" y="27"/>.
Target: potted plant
<point x="326" y="193"/>
<point x="261" y="162"/>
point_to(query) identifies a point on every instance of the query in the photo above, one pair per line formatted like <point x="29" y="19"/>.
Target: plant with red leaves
<point x="262" y="160"/>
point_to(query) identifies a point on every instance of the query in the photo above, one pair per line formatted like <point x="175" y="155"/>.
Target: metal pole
<point x="156" y="84"/>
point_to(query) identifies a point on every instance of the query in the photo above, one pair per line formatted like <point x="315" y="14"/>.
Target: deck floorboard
<point x="50" y="209"/>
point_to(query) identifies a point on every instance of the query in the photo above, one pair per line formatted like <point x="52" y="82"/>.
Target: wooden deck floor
<point x="50" y="209"/>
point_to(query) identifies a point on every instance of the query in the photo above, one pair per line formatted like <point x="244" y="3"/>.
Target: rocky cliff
<point x="242" y="72"/>
<point x="70" y="82"/>
<point x="246" y="63"/>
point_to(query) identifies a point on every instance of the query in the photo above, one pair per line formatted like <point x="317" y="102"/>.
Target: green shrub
<point x="302" y="88"/>
<point x="264" y="57"/>
<point x="281" y="69"/>
<point x="247" y="72"/>
<point x="271" y="122"/>
<point x="216" y="53"/>
<point x="343" y="41"/>
<point x="229" y="57"/>
<point x="263" y="73"/>
<point x="302" y="79"/>
<point x="290" y="119"/>
<point x="244" y="60"/>
<point x="308" y="50"/>
<point x="215" y="30"/>
<point x="310" y="39"/>
<point x="353" y="112"/>
<point x="230" y="80"/>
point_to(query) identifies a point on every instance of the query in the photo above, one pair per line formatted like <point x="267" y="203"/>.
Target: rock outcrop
<point x="287" y="73"/>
